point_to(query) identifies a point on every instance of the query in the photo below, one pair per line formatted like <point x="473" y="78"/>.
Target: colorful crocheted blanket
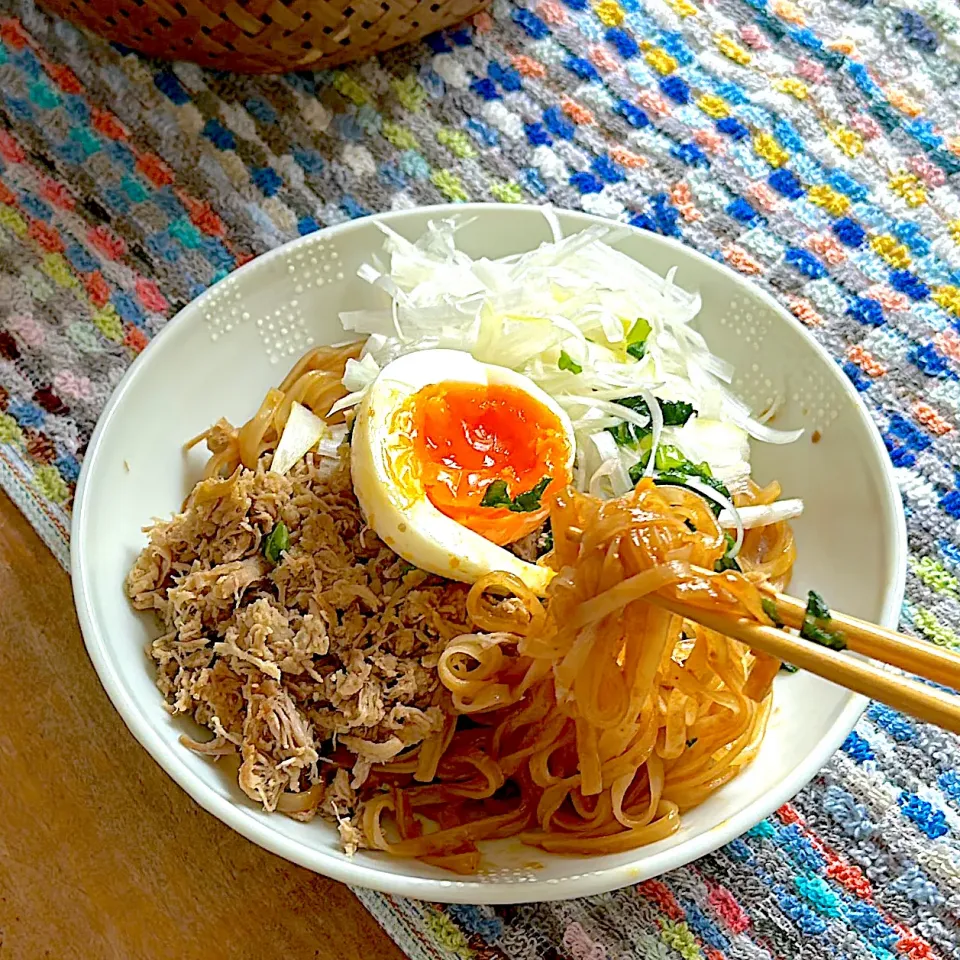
<point x="813" y="145"/>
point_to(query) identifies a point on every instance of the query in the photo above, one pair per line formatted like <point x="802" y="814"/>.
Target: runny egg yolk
<point x="466" y="436"/>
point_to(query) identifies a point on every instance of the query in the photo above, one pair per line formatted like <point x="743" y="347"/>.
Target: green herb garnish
<point x="770" y="609"/>
<point x="719" y="487"/>
<point x="675" y="412"/>
<point x="672" y="466"/>
<point x="675" y="478"/>
<point x="680" y="475"/>
<point x="622" y="434"/>
<point x="277" y="542"/>
<point x="566" y="362"/>
<point x="816" y="624"/>
<point x="634" y="403"/>
<point x="530" y="501"/>
<point x="630" y="435"/>
<point x="727" y="562"/>
<point x="496" y="495"/>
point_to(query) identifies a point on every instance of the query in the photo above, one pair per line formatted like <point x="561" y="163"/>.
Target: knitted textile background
<point x="813" y="145"/>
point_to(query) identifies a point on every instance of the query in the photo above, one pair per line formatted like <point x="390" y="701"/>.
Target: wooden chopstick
<point x="915" y="656"/>
<point x="868" y="639"/>
<point x="901" y="693"/>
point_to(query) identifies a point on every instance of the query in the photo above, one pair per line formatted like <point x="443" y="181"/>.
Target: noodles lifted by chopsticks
<point x="593" y="719"/>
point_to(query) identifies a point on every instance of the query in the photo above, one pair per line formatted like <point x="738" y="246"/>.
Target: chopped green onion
<point x="637" y="339"/>
<point x="817" y="607"/>
<point x="566" y="362"/>
<point x="674" y="478"/>
<point x="825" y="638"/>
<point x="717" y="485"/>
<point x="636" y="471"/>
<point x="770" y="609"/>
<point x="816" y="624"/>
<point x="669" y="458"/>
<point x="639" y="331"/>
<point x="277" y="542"/>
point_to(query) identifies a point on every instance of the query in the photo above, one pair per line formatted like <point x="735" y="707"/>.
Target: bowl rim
<point x="236" y="816"/>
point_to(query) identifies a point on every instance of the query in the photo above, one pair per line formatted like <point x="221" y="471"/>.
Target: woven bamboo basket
<point x="263" y="36"/>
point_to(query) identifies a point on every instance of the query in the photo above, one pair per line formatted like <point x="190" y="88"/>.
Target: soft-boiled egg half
<point x="453" y="458"/>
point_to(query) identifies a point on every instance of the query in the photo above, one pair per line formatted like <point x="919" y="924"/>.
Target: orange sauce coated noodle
<point x="469" y="435"/>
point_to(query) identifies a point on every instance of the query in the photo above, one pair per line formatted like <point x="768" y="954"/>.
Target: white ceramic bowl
<point x="222" y="352"/>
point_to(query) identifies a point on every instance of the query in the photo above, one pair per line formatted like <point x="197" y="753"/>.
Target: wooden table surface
<point x="102" y="855"/>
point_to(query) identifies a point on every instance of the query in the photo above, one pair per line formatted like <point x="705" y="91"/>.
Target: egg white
<point x="395" y="504"/>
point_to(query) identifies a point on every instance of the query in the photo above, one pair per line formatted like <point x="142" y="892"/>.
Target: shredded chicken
<point x="313" y="669"/>
<point x="534" y="545"/>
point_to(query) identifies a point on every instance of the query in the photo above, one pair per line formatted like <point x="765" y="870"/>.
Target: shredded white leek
<point x="303" y="432"/>
<point x="762" y="515"/>
<point x="579" y="296"/>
